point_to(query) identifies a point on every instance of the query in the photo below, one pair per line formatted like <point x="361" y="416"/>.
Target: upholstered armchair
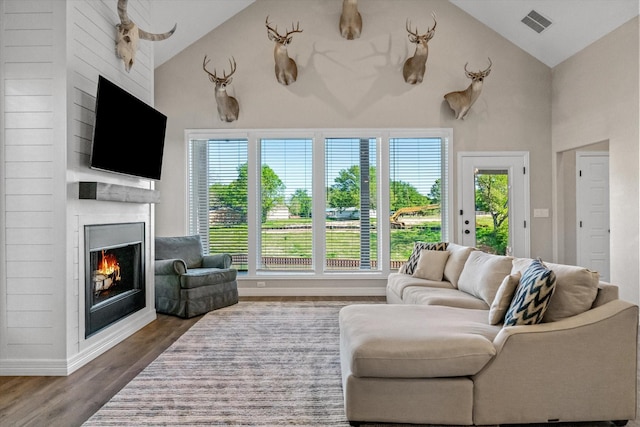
<point x="189" y="283"/>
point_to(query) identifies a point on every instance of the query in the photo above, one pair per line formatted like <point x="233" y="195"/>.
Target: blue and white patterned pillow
<point x="410" y="266"/>
<point x="532" y="296"/>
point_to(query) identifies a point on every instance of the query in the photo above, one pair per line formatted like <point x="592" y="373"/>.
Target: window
<point x="418" y="170"/>
<point x="350" y="198"/>
<point x="320" y="202"/>
<point x="285" y="205"/>
<point x="218" y="196"/>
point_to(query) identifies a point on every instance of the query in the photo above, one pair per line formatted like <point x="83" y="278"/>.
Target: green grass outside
<point x="287" y="238"/>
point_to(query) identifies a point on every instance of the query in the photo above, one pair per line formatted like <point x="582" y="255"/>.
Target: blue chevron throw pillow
<point x="532" y="296"/>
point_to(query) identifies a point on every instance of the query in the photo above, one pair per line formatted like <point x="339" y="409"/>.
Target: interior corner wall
<point x="596" y="98"/>
<point x="358" y="84"/>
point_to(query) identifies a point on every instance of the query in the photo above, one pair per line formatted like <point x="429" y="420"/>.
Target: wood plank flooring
<point x="70" y="401"/>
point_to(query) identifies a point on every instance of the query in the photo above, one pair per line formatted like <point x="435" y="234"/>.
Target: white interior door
<point x="592" y="211"/>
<point x="493" y="193"/>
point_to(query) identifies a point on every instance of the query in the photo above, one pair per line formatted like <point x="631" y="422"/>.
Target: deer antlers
<point x="213" y="77"/>
<point x="414" y="37"/>
<point x="479" y="74"/>
<point x="275" y="36"/>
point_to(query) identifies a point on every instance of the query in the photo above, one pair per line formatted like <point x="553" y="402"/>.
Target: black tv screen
<point x="128" y="135"/>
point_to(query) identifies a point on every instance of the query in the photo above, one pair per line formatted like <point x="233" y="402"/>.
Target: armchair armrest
<point x="170" y="267"/>
<point x="217" y="261"/>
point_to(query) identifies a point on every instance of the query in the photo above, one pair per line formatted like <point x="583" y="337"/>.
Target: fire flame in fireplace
<point x="106" y="273"/>
<point x="109" y="265"/>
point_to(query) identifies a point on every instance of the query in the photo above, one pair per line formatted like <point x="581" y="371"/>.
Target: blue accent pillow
<point x="532" y="296"/>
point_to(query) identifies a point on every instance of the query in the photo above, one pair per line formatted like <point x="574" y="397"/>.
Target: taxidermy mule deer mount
<point x="461" y="101"/>
<point x="129" y="34"/>
<point x="228" y="107"/>
<point x="415" y="66"/>
<point x="286" y="69"/>
<point x="350" y="20"/>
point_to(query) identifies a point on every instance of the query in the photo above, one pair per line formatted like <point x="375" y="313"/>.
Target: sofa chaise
<point x="455" y="346"/>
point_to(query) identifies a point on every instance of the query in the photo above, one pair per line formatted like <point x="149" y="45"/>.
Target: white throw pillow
<point x="455" y="263"/>
<point x="503" y="298"/>
<point x="483" y="274"/>
<point x="431" y="264"/>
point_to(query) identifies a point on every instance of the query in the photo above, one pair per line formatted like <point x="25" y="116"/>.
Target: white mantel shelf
<point x="116" y="193"/>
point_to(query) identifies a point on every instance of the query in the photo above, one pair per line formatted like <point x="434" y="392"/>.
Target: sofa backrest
<point x="186" y="248"/>
<point x="575" y="292"/>
<point x="607" y="292"/>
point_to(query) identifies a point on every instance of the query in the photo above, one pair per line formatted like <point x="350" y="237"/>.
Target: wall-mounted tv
<point x="128" y="135"/>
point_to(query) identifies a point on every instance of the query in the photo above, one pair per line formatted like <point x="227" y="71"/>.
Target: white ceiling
<point x="575" y="23"/>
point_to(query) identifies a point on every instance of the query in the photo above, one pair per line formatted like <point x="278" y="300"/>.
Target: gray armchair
<point x="189" y="283"/>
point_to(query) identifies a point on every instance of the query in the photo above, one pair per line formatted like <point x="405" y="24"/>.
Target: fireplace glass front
<point x="114" y="273"/>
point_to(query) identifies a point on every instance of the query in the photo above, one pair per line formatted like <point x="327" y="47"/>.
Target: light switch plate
<point x="541" y="213"/>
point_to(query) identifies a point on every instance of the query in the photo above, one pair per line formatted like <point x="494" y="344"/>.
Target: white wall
<point x="49" y="76"/>
<point x="596" y="98"/>
<point x="359" y="84"/>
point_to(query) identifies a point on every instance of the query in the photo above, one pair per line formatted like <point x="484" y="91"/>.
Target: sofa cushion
<point x="503" y="298"/>
<point x="410" y="266"/>
<point x="576" y="289"/>
<point x="398" y="282"/>
<point x="455" y="263"/>
<point x="415" y="341"/>
<point x="483" y="273"/>
<point x="532" y="296"/>
<point x="442" y="296"/>
<point x="431" y="264"/>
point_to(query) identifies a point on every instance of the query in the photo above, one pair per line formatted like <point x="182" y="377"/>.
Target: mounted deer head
<point x="350" y="20"/>
<point x="461" y="101"/>
<point x="415" y="66"/>
<point x="286" y="69"/>
<point x="129" y="34"/>
<point x="228" y="108"/>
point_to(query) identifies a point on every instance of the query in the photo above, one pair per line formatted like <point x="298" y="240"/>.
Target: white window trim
<point x="382" y="137"/>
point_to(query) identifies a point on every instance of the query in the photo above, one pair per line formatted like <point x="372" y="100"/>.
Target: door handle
<point x="467" y="231"/>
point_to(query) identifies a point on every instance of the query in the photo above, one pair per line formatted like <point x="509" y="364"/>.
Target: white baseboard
<point x="65" y="367"/>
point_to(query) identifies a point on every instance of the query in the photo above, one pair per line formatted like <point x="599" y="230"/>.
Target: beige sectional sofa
<point x="439" y="352"/>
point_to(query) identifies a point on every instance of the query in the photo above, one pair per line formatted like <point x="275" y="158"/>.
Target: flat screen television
<point x="128" y="135"/>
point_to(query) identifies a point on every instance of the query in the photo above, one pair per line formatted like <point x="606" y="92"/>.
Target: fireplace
<point x="114" y="273"/>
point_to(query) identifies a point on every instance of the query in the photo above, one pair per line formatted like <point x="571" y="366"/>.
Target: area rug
<point x="251" y="364"/>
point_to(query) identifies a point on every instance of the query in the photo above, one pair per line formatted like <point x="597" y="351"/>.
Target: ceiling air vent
<point x="536" y="22"/>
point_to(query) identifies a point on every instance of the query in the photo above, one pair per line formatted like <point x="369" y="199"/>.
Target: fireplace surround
<point x="114" y="273"/>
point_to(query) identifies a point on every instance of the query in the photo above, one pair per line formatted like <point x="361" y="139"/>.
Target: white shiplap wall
<point x="52" y="52"/>
<point x="34" y="312"/>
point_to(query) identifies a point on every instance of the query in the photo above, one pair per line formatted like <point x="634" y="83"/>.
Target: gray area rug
<point x="251" y="364"/>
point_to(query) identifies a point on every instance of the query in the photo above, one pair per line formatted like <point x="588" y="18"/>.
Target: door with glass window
<point x="494" y="202"/>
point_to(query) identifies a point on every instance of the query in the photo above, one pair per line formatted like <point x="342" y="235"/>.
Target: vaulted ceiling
<point x="574" y="24"/>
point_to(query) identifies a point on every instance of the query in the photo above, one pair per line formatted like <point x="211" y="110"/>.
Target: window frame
<point x="318" y="136"/>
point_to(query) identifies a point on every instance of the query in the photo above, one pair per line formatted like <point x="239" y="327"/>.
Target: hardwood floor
<point x="70" y="401"/>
